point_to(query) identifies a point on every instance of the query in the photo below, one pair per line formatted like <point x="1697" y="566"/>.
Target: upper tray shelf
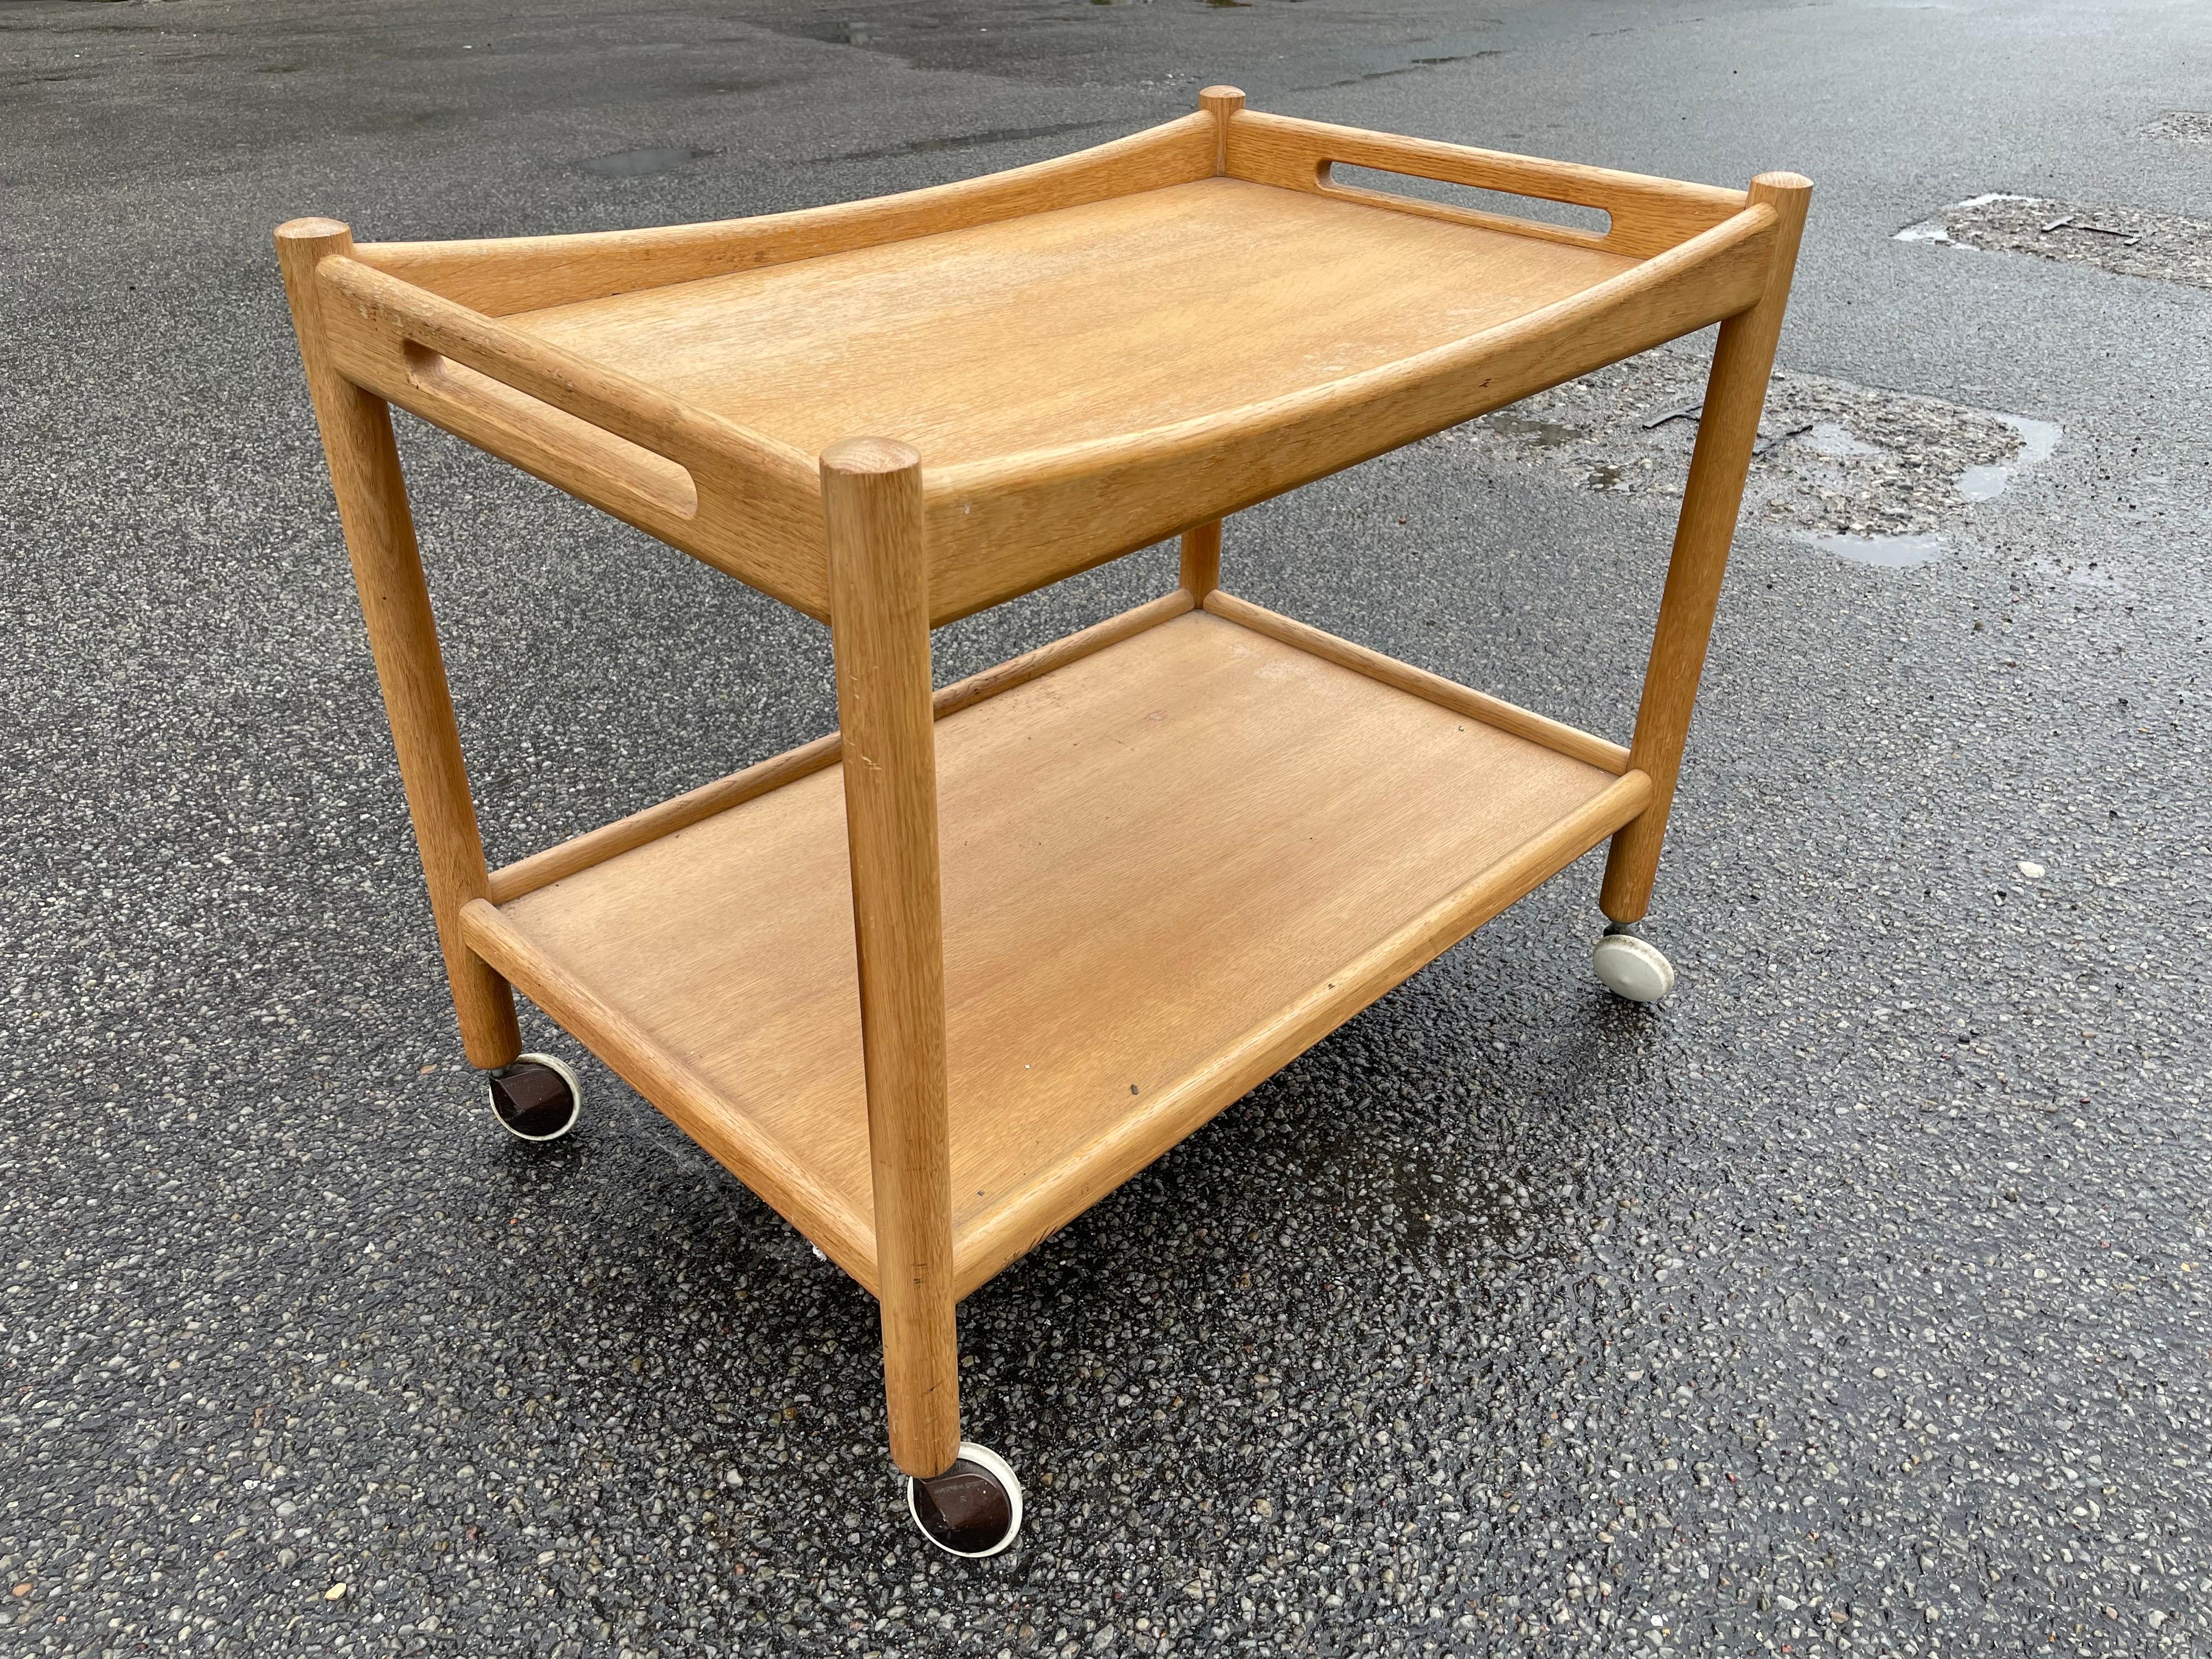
<point x="1089" y="354"/>
<point x="1104" y="321"/>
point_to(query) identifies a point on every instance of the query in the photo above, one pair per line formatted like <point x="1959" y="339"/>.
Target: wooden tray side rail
<point x="755" y="508"/>
<point x="1647" y="215"/>
<point x="501" y="274"/>
<point x="1004" y="527"/>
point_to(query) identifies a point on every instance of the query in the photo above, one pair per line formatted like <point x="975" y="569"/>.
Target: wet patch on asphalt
<point x="1877" y="476"/>
<point x="2162" y="247"/>
<point x="643" y="163"/>
<point x="968" y="141"/>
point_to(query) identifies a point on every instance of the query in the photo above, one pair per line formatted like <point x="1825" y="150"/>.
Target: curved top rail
<point x="499" y="275"/>
<point x="1001" y="527"/>
<point x="1649" y="215"/>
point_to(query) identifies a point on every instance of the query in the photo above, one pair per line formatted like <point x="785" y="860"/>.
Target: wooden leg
<point x="1201" y="561"/>
<point x="880" y="632"/>
<point x="1735" y="393"/>
<point x="403" y="634"/>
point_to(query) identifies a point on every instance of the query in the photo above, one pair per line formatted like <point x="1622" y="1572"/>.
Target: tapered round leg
<point x="1633" y="968"/>
<point x="974" y="1508"/>
<point x="536" y="1098"/>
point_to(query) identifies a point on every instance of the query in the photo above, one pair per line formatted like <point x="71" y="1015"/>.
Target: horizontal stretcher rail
<point x="681" y="811"/>
<point x="1568" y="740"/>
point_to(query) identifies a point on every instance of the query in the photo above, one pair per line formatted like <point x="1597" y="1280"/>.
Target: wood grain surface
<point x="1087" y="322"/>
<point x="1147" y="857"/>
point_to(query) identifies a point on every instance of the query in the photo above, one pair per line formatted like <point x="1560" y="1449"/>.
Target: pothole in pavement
<point x="1878" y="478"/>
<point x="2182" y="126"/>
<point x="2164" y="247"/>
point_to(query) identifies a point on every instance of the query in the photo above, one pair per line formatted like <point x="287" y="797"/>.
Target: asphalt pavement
<point x="1852" y="1300"/>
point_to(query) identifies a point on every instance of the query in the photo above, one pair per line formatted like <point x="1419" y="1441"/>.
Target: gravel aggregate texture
<point x="1853" y="1300"/>
<point x="1832" y="459"/>
<point x="2131" y="241"/>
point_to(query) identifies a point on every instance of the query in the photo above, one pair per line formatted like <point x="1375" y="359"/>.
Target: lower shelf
<point x="1168" y="867"/>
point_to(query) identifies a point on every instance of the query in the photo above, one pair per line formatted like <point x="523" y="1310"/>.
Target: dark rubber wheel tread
<point x="974" y="1508"/>
<point x="536" y="1098"/>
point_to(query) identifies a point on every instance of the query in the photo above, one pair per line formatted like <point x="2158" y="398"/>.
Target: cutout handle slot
<point x="563" y="441"/>
<point x="1521" y="213"/>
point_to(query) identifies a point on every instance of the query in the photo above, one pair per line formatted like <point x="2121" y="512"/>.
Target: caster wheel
<point x="1633" y="968"/>
<point x="974" y="1508"/>
<point x="536" y="1098"/>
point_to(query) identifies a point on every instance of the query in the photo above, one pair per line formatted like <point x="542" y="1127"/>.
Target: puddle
<point x="642" y="163"/>
<point x="2162" y="247"/>
<point x="2039" y="441"/>
<point x="2182" y="126"/>
<point x="1545" y="434"/>
<point x="1833" y="438"/>
<point x="1884" y="552"/>
<point x="1878" y="478"/>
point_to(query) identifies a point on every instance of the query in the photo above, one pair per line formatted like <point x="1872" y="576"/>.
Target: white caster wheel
<point x="1633" y="968"/>
<point x="536" y="1098"/>
<point x="974" y="1508"/>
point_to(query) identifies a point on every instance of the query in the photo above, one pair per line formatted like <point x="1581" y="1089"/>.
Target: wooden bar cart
<point x="935" y="983"/>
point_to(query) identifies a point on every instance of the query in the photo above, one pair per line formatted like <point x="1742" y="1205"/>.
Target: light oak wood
<point x="402" y="635"/>
<point x="671" y="1082"/>
<point x="998" y="528"/>
<point x="1735" y="394"/>
<point x="1037" y="926"/>
<point x="1008" y="1233"/>
<point x="665" y="818"/>
<point x="879" y="631"/>
<point x="1492" y="711"/>
<point x="500" y="275"/>
<point x="1201" y="560"/>
<point x="1095" y="321"/>
<point x="1649" y="216"/>
<point x="1110" y="327"/>
<point x="743" y="503"/>
<point x="1079" y="376"/>
<point x="1221" y="103"/>
<point x="1148" y="855"/>
<point x="1033" y="664"/>
<point x="657" y="488"/>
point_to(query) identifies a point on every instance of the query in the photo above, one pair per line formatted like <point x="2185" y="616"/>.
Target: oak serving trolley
<point x="935" y="983"/>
